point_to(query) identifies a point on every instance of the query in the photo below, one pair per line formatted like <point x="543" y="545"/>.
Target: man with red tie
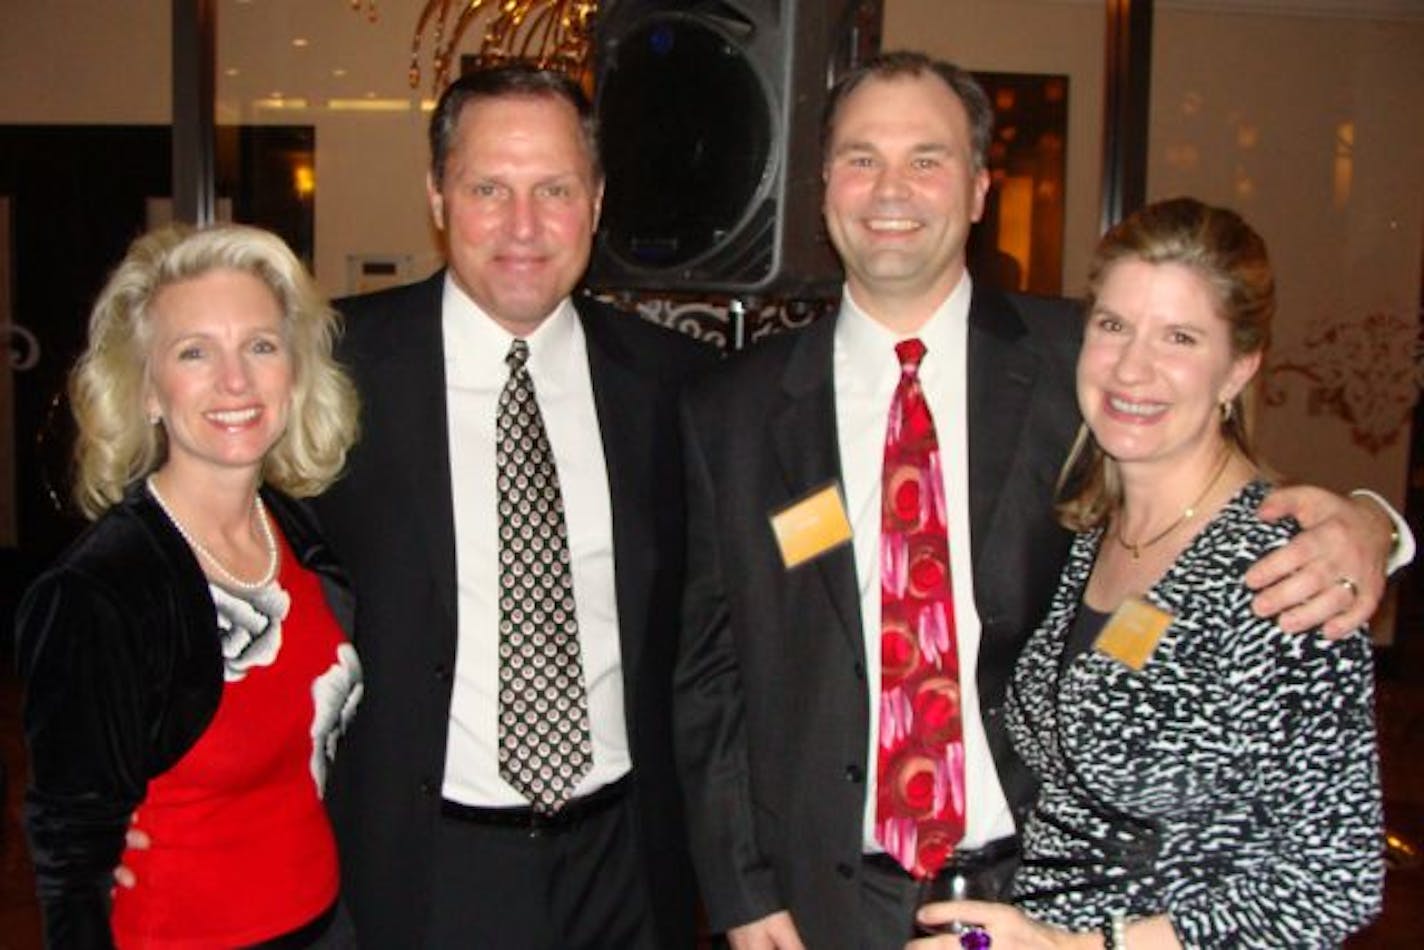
<point x="872" y="540"/>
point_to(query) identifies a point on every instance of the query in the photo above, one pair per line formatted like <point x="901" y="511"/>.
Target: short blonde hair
<point x="117" y="444"/>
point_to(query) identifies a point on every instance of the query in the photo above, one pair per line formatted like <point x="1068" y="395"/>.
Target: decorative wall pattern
<point x="23" y="348"/>
<point x="1365" y="370"/>
<point x="727" y="324"/>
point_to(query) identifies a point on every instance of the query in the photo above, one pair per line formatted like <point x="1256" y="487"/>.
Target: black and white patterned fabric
<point x="1232" y="783"/>
<point x="545" y="744"/>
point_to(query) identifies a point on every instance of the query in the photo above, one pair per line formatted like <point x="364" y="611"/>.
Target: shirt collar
<point x="865" y="348"/>
<point x="475" y="345"/>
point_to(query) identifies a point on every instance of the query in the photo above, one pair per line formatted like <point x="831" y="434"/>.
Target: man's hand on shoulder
<point x="772" y="932"/>
<point x="1332" y="574"/>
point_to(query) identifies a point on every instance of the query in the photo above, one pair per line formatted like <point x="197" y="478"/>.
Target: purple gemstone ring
<point x="975" y="938"/>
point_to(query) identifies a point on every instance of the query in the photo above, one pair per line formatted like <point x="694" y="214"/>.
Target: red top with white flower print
<point x="241" y="848"/>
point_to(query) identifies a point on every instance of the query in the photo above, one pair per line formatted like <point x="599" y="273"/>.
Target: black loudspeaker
<point x="710" y="114"/>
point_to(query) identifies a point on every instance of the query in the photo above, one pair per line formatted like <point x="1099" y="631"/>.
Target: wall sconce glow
<point x="1344" y="163"/>
<point x="1183" y="156"/>
<point x="1245" y="185"/>
<point x="304" y="181"/>
<point x="301" y="42"/>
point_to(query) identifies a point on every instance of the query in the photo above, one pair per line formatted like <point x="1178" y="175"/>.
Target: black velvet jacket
<point x="119" y="649"/>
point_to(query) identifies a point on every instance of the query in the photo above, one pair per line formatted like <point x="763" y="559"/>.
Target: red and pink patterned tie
<point x="919" y="810"/>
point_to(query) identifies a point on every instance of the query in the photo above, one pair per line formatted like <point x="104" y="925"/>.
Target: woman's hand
<point x="1007" y="926"/>
<point x="138" y="841"/>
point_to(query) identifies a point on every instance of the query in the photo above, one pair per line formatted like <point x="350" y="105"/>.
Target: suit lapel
<point x="417" y="419"/>
<point x="803" y="431"/>
<point x="1000" y="383"/>
<point x="626" y="404"/>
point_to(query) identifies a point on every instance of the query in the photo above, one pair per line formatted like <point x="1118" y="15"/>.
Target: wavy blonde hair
<point x="117" y="444"/>
<point x="1230" y="256"/>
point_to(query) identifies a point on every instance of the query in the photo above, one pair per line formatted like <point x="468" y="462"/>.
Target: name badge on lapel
<point x="1133" y="632"/>
<point x="811" y="526"/>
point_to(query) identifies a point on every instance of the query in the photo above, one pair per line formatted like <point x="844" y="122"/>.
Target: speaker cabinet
<point x="710" y="118"/>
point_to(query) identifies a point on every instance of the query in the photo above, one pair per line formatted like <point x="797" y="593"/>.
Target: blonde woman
<point x="186" y="662"/>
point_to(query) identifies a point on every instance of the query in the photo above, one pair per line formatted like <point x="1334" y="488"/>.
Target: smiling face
<point x="1156" y="364"/>
<point x="902" y="190"/>
<point x="219" y="372"/>
<point x="518" y="203"/>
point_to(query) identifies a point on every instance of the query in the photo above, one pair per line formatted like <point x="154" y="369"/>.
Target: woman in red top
<point x="186" y="667"/>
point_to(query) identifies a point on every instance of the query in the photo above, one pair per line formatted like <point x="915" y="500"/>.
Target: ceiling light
<point x="368" y="105"/>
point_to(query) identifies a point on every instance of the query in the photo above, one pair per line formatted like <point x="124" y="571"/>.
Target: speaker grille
<point x="687" y="141"/>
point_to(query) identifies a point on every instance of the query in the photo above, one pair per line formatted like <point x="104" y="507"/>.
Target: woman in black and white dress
<point x="1207" y="779"/>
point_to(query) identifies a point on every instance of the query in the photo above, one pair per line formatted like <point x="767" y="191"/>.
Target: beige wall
<point x="1028" y="36"/>
<point x="85" y="61"/>
<point x="1267" y="140"/>
<point x="370" y="166"/>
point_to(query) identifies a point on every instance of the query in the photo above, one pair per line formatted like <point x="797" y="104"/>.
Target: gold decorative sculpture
<point x="555" y="34"/>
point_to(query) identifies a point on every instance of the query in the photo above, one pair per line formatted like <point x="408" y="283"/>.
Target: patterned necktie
<point x="919" y="808"/>
<point x="545" y="746"/>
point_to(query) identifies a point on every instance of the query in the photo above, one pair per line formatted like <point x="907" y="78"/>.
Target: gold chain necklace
<point x="227" y="576"/>
<point x="1135" y="548"/>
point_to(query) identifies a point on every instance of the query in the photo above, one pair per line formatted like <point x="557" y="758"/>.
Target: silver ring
<point x="1349" y="585"/>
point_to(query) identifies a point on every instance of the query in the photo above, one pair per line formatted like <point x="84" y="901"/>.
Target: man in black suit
<point x="778" y="682"/>
<point x="438" y="848"/>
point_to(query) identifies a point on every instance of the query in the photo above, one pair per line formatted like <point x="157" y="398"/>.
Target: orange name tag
<point x="810" y="527"/>
<point x="1132" y="632"/>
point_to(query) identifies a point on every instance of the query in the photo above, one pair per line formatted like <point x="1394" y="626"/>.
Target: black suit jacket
<point x="390" y="522"/>
<point x="773" y="721"/>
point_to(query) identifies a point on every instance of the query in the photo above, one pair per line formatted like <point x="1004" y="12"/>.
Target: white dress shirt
<point x="475" y="372"/>
<point x="866" y="374"/>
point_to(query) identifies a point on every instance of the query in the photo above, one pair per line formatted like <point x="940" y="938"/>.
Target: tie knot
<point x="910" y="351"/>
<point x="518" y="355"/>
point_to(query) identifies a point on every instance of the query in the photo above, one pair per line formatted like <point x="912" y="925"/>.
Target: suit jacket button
<point x="442" y="672"/>
<point x="427" y="788"/>
<point x="854" y="773"/>
<point x="845" y="870"/>
<point x="860" y="671"/>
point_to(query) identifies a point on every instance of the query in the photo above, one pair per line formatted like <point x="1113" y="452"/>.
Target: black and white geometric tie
<point x="545" y="745"/>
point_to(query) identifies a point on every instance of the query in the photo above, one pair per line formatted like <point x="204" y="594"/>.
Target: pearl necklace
<point x="228" y="577"/>
<point x="1135" y="548"/>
